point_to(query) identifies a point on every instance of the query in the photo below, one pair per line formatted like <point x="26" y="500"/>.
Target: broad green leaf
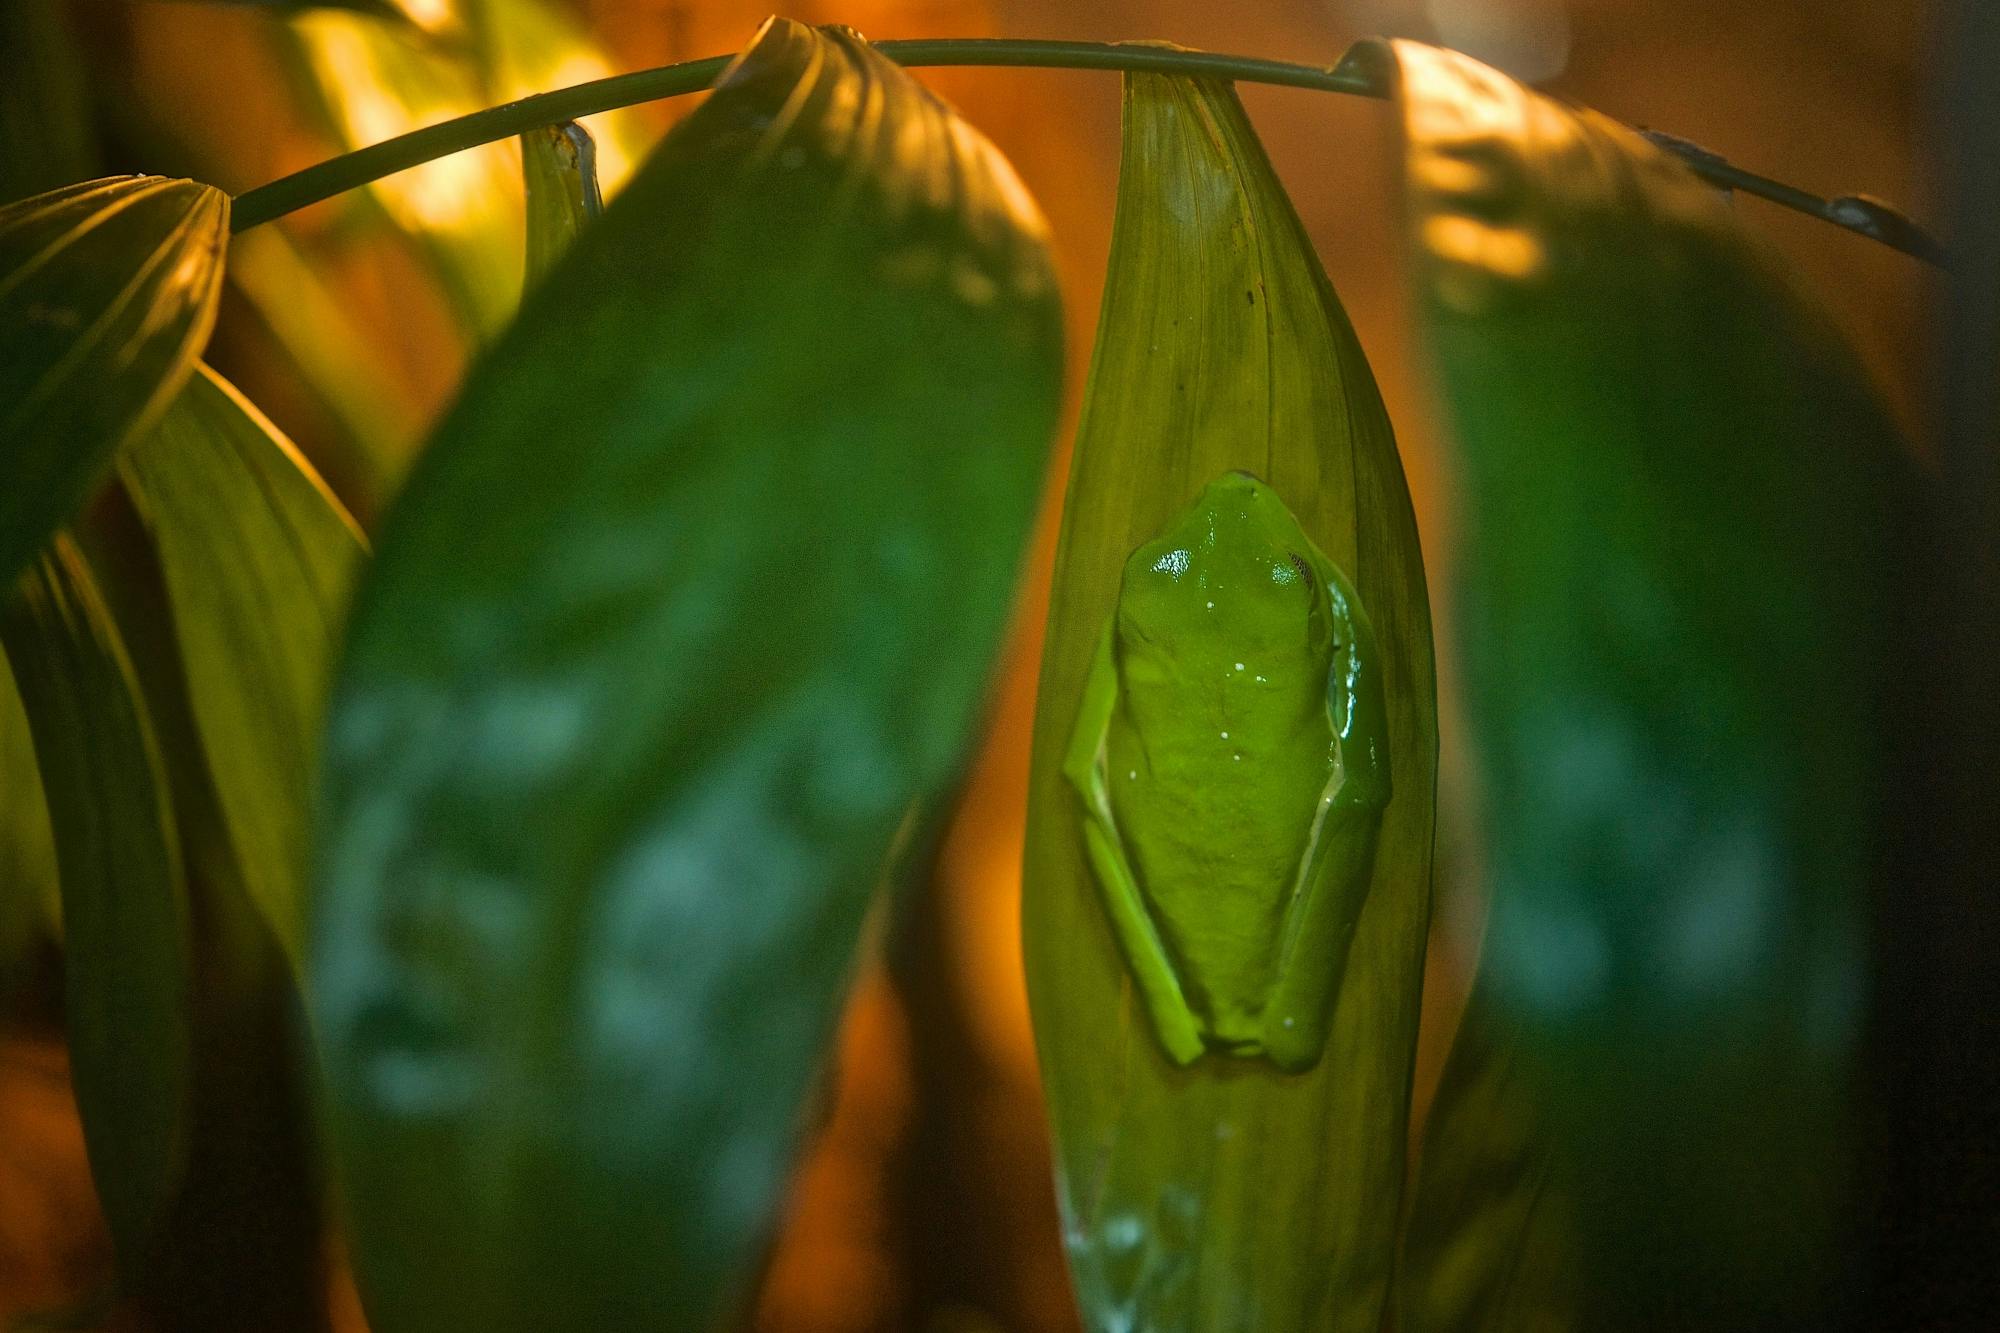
<point x="257" y="557"/>
<point x="1676" y="492"/>
<point x="1230" y="1194"/>
<point x="107" y="292"/>
<point x="46" y="137"/>
<point x="1489" y="1243"/>
<point x="125" y="909"/>
<point x="688" y="606"/>
<point x="559" y="168"/>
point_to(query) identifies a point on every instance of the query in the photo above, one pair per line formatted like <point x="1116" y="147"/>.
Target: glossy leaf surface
<point x="559" y="173"/>
<point x="1677" y="490"/>
<point x="688" y="606"/>
<point x="257" y="558"/>
<point x="125" y="911"/>
<point x="107" y="292"/>
<point x="1230" y="1195"/>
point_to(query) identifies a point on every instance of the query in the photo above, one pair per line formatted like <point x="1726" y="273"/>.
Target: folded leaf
<point x="687" y="607"/>
<point x="257" y="556"/>
<point x="107" y="292"/>
<point x="1677" y="490"/>
<point x="559" y="168"/>
<point x="1233" y="1193"/>
<point x="125" y="911"/>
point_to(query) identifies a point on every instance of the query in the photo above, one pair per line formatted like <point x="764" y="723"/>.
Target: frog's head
<point x="1231" y="579"/>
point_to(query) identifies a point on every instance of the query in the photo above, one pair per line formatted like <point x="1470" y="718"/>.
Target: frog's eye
<point x="1295" y="570"/>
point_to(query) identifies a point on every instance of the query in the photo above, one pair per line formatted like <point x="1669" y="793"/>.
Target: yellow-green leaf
<point x="559" y="169"/>
<point x="107" y="292"/>
<point x="1229" y="1195"/>
<point x="688" y="606"/>
<point x="1677" y="496"/>
<point x="125" y="914"/>
<point x="257" y="557"/>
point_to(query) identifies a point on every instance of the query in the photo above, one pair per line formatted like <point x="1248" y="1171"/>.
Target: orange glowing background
<point x="924" y="1201"/>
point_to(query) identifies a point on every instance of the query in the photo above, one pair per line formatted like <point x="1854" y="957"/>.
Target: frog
<point x="1230" y="757"/>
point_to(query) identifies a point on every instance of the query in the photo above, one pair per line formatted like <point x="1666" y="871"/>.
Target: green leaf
<point x="559" y="166"/>
<point x="1490" y="1243"/>
<point x="1677" y="491"/>
<point x="125" y="907"/>
<point x="107" y="293"/>
<point x="689" y="605"/>
<point x="257" y="557"/>
<point x="243" y="1245"/>
<point x="1230" y="1194"/>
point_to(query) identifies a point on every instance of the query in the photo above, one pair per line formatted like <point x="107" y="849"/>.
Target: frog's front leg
<point x="1138" y="940"/>
<point x="1333" y="882"/>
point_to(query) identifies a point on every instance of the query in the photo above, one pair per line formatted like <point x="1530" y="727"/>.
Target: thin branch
<point x="1859" y="214"/>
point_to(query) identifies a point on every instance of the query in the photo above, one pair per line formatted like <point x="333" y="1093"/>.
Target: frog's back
<point x="1219" y="864"/>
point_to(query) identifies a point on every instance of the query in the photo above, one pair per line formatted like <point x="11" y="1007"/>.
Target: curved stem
<point x="339" y="174"/>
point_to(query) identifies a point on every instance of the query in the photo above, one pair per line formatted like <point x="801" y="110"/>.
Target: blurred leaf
<point x="124" y="903"/>
<point x="523" y="48"/>
<point x="559" y="167"/>
<point x="257" y="558"/>
<point x="463" y="212"/>
<point x="1489" y="1244"/>
<point x="686" y="608"/>
<point x="46" y="137"/>
<point x="107" y="292"/>
<point x="1229" y="1194"/>
<point x="335" y="356"/>
<point x="1676" y="488"/>
<point x="29" y="913"/>
<point x="386" y="9"/>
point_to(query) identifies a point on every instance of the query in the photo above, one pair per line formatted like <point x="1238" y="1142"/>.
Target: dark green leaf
<point x="107" y="292"/>
<point x="1677" y="490"/>
<point x="125" y="909"/>
<point x="559" y="167"/>
<point x="257" y="558"/>
<point x="688" y="605"/>
<point x="1229" y="1195"/>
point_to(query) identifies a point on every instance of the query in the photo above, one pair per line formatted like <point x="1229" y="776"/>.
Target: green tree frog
<point x="1232" y="757"/>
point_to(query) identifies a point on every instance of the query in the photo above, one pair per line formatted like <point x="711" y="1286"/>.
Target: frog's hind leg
<point x="1145" y="955"/>
<point x="1339" y="863"/>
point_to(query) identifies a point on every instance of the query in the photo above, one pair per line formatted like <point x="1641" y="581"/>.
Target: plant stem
<point x="336" y="175"/>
